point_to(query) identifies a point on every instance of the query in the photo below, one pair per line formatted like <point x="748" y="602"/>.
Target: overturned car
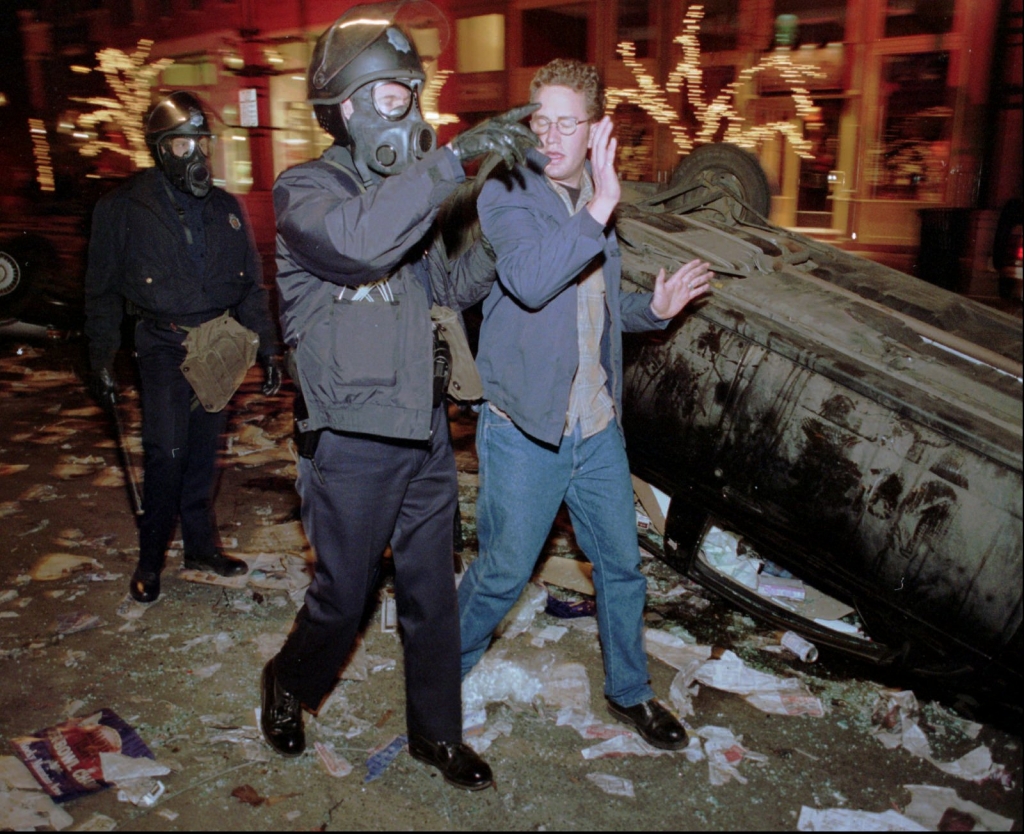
<point x="857" y="426"/>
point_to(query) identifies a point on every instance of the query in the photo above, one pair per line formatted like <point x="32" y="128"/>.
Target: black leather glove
<point x="502" y="135"/>
<point x="102" y="388"/>
<point x="271" y="375"/>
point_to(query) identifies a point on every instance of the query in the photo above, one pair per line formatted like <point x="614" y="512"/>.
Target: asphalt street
<point x="777" y="743"/>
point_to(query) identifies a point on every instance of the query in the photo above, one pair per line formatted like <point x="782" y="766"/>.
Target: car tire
<point x="731" y="168"/>
<point x="28" y="264"/>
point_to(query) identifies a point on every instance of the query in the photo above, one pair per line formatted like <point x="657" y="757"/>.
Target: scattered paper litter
<point x="724" y="753"/>
<point x="29" y="810"/>
<point x="334" y="764"/>
<point x="547" y="634"/>
<point x="897" y="713"/>
<point x="481" y="736"/>
<point x="60" y="565"/>
<point x="519" y="619"/>
<point x="381" y="757"/>
<point x="538" y="680"/>
<point x="929" y="804"/>
<point x="848" y="819"/>
<point x="779" y="696"/>
<point x="613" y="785"/>
<point x="131" y="609"/>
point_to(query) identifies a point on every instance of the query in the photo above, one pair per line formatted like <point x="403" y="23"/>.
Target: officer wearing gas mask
<point x="360" y="263"/>
<point x="174" y="252"/>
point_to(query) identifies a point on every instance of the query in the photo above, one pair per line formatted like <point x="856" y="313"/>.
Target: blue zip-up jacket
<point x="528" y="349"/>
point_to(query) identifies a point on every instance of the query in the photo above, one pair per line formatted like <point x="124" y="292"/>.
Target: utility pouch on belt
<point x="442" y="367"/>
<point x="219" y="353"/>
<point x="464" y="384"/>
<point x="305" y="441"/>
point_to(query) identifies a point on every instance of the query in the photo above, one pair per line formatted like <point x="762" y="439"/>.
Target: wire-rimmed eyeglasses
<point x="567" y="125"/>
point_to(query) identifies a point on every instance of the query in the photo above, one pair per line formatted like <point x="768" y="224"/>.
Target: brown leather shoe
<point x="280" y="715"/>
<point x="459" y="764"/>
<point x="218" y="563"/>
<point x="655" y="724"/>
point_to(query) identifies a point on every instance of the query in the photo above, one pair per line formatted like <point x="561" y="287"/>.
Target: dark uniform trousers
<point x="180" y="441"/>
<point x="363" y="493"/>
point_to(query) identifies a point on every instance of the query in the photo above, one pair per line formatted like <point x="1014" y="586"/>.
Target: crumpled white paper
<point x="930" y="802"/>
<point x="724" y="752"/>
<point x="535" y="681"/>
<point x="612" y="785"/>
<point x="848" y="819"/>
<point x="976" y="766"/>
<point x="779" y="696"/>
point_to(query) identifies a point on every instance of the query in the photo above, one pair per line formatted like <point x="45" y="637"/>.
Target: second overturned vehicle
<point x="856" y="426"/>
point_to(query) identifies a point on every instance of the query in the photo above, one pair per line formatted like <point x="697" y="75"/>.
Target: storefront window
<point x="818" y="22"/>
<point x="636" y="24"/>
<point x="297" y="136"/>
<point x="302" y="138"/>
<point x="480" y="43"/>
<point x="233" y="149"/>
<point x="718" y="28"/>
<point x="555" y="32"/>
<point x="918" y="17"/>
<point x="814" y="195"/>
<point x="635" y="133"/>
<point x="910" y="159"/>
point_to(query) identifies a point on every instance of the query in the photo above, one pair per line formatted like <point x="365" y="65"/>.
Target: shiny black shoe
<point x="459" y="764"/>
<point x="144" y="586"/>
<point x="655" y="724"/>
<point x="280" y="716"/>
<point x="218" y="563"/>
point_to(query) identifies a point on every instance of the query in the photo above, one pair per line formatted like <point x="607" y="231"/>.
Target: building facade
<point x="890" y="127"/>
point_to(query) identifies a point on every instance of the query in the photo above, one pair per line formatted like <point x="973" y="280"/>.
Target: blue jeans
<point x="522" y="486"/>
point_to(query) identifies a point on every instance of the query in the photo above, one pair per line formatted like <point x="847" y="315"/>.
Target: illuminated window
<point x="910" y="158"/>
<point x="189" y="75"/>
<point x="819" y="22"/>
<point x="481" y="43"/>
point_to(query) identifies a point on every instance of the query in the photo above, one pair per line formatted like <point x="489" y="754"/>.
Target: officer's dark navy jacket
<point x="367" y="366"/>
<point x="139" y="252"/>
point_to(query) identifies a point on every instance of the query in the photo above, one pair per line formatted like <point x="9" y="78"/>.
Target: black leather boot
<point x="656" y="725"/>
<point x="218" y="563"/>
<point x="144" y="585"/>
<point x="280" y="716"/>
<point x="459" y="763"/>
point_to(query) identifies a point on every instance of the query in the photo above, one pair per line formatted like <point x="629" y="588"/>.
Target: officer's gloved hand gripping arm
<point x="503" y="135"/>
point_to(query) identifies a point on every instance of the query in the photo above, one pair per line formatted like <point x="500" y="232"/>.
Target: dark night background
<point x="16" y="148"/>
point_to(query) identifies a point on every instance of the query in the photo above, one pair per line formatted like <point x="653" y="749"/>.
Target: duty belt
<point x="175" y="326"/>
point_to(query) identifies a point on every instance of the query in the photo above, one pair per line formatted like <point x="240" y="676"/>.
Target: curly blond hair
<point x="577" y="76"/>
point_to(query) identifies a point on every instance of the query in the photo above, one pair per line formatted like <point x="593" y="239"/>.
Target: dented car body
<point x="860" y="427"/>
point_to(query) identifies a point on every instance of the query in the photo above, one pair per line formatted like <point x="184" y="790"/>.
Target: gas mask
<point x="386" y="130"/>
<point x="185" y="161"/>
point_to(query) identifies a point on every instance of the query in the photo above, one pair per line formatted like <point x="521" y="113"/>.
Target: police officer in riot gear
<point x="360" y="262"/>
<point x="174" y="251"/>
<point x="179" y="137"/>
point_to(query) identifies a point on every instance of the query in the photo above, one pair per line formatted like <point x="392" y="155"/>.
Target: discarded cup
<point x="803" y="649"/>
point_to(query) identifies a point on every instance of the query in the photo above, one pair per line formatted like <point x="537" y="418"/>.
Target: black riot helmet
<point x="186" y="162"/>
<point x="367" y="56"/>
